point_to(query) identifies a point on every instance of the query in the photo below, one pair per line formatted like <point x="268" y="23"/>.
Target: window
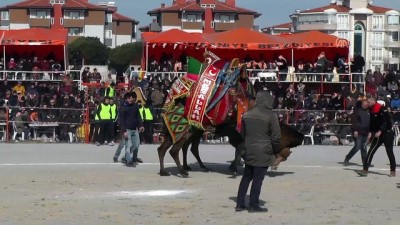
<point x="377" y="38"/>
<point x="109" y="34"/>
<point x="377" y="54"/>
<point x="40" y="14"/>
<point x="377" y="22"/>
<point x="109" y="18"/>
<point x="57" y="2"/>
<point x="5" y="15"/>
<point x="224" y="18"/>
<point x="343" y="34"/>
<point x="343" y="21"/>
<point x="75" y="31"/>
<point x="314" y="19"/>
<point x="192" y="18"/>
<point x="75" y="15"/>
<point x="393" y="20"/>
<point x="394" y="36"/>
<point x="395" y="54"/>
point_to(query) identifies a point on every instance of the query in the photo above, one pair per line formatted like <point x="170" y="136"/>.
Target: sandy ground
<point x="79" y="184"/>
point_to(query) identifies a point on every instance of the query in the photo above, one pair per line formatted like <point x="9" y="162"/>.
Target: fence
<point x="71" y="125"/>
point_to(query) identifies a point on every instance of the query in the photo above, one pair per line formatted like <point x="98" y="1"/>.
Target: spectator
<point x="19" y="88"/>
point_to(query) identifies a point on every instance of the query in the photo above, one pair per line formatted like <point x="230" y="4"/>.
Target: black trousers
<point x="105" y="131"/>
<point x="94" y="131"/>
<point x="255" y="174"/>
<point x="387" y="139"/>
<point x="148" y="132"/>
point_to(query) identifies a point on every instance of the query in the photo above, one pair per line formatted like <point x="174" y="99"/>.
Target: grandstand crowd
<point x="297" y="102"/>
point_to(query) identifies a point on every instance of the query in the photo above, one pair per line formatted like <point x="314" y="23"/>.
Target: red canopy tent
<point x="245" y="42"/>
<point x="172" y="42"/>
<point x="309" y="44"/>
<point x="38" y="42"/>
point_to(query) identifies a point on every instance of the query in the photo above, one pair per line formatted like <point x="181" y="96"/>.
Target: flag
<point x="194" y="67"/>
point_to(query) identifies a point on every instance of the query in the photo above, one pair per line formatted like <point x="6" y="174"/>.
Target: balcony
<point x="392" y="60"/>
<point x="389" y="43"/>
<point x="392" y="27"/>
<point x="377" y="28"/>
<point x="377" y="44"/>
<point x="316" y="26"/>
<point x="224" y="26"/>
<point x="40" y="22"/>
<point x="74" y="23"/>
<point x="192" y="25"/>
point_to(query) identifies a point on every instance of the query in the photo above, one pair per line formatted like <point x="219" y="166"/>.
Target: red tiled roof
<point x="338" y="8"/>
<point x="69" y="4"/>
<point x="344" y="9"/>
<point x="118" y="17"/>
<point x="194" y="6"/>
<point x="31" y="3"/>
<point x="378" y="9"/>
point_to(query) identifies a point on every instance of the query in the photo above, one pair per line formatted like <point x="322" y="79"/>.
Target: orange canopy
<point x="34" y="36"/>
<point x="244" y="38"/>
<point x="313" y="39"/>
<point x="40" y="42"/>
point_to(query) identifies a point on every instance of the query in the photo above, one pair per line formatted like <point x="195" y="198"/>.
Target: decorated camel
<point x="217" y="98"/>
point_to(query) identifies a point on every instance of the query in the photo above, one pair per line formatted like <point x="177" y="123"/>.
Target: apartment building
<point x="284" y="28"/>
<point x="201" y="16"/>
<point x="81" y="18"/>
<point x="373" y="31"/>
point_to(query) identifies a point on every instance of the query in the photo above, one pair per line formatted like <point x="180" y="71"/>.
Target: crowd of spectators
<point x="31" y="68"/>
<point x="298" y="103"/>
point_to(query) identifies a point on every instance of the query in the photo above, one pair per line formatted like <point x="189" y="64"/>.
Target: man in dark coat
<point x="380" y="126"/>
<point x="262" y="134"/>
<point x="361" y="134"/>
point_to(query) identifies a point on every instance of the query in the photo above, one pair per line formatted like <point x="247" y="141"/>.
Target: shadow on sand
<point x="221" y="168"/>
<point x="262" y="203"/>
<point x="369" y="172"/>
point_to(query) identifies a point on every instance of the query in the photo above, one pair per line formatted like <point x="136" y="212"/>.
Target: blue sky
<point x="274" y="11"/>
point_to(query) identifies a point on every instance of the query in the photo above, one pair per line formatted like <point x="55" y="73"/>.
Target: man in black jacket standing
<point x="381" y="130"/>
<point x="262" y="135"/>
<point x="131" y="124"/>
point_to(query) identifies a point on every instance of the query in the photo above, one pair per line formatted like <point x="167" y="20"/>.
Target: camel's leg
<point x="195" y="149"/>
<point x="185" y="149"/>
<point x="175" y="155"/>
<point x="165" y="145"/>
<point x="239" y="150"/>
<point x="282" y="156"/>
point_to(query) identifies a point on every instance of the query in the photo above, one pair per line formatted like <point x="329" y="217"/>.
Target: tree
<point x="90" y="49"/>
<point x="123" y="56"/>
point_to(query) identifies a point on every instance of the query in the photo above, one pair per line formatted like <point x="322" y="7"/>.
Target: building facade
<point x="373" y="31"/>
<point x="201" y="16"/>
<point x="79" y="17"/>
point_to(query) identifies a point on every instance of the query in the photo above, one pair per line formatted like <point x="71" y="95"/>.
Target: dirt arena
<point x="78" y="184"/>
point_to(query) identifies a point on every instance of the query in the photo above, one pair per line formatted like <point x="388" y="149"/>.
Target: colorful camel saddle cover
<point x="176" y="122"/>
<point x="179" y="89"/>
<point x="208" y="101"/>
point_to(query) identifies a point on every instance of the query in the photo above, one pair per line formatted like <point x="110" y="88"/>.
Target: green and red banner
<point x="202" y="91"/>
